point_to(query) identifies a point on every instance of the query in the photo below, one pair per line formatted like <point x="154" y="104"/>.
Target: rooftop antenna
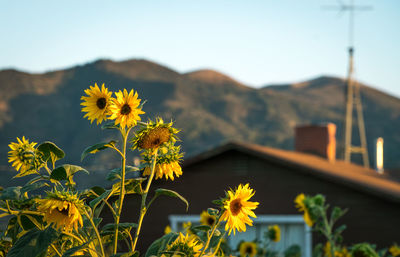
<point x="353" y="98"/>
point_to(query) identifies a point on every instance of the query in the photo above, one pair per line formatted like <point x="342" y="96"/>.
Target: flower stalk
<point x="124" y="134"/>
<point x="143" y="208"/>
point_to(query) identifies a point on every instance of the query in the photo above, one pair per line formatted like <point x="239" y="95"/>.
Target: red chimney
<point x="317" y="139"/>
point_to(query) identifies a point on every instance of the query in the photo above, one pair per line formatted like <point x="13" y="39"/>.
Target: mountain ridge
<point x="209" y="107"/>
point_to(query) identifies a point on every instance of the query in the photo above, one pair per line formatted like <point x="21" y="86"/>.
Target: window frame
<point x="174" y="220"/>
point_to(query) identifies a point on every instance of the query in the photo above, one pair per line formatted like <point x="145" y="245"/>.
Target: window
<point x="293" y="231"/>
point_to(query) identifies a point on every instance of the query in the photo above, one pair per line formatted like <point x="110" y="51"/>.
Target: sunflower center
<point x="249" y="250"/>
<point x="210" y="221"/>
<point x="101" y="103"/>
<point x="154" y="138"/>
<point x="126" y="109"/>
<point x="235" y="206"/>
<point x="64" y="211"/>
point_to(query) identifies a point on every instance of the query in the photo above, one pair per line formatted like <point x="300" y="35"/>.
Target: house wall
<point x="370" y="219"/>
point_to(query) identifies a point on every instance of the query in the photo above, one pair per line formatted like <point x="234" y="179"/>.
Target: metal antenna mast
<point x="353" y="98"/>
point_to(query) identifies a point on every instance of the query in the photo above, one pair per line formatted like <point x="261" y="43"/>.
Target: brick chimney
<point x="317" y="139"/>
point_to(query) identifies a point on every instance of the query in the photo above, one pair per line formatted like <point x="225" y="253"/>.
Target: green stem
<point x="55" y="249"/>
<point x="328" y="233"/>
<point x="219" y="244"/>
<point x="97" y="233"/>
<point x="143" y="208"/>
<point x="73" y="236"/>
<point x="209" y="236"/>
<point x="122" y="189"/>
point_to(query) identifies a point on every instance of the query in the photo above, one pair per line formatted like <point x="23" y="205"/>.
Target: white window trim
<point x="174" y="220"/>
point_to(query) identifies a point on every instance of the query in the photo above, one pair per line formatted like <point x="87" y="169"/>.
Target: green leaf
<point x="71" y="251"/>
<point x="212" y="211"/>
<point x="130" y="254"/>
<point x="11" y="193"/>
<point x="132" y="186"/>
<point x="340" y="229"/>
<point x="109" y="125"/>
<point x="97" y="147"/>
<point x="34" y="243"/>
<point x="167" y="192"/>
<point x="51" y="151"/>
<point x="33" y="186"/>
<point x="218" y="202"/>
<point x="97" y="200"/>
<point x="26" y="223"/>
<point x="160" y="244"/>
<point x="204" y="228"/>
<point x="65" y="171"/>
<point x="98" y="190"/>
<point x="125" y="226"/>
<point x="117" y="173"/>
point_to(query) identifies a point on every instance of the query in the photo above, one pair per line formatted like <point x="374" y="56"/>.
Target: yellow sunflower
<point x="394" y="250"/>
<point x="23" y="155"/>
<point x="167" y="163"/>
<point x="154" y="135"/>
<point x="97" y="103"/>
<point x="62" y="209"/>
<point x="238" y="209"/>
<point x="299" y="201"/>
<point x="187" y="245"/>
<point x="167" y="229"/>
<point x="125" y="109"/>
<point x="342" y="253"/>
<point x="207" y="219"/>
<point x="248" y="249"/>
<point x="274" y="233"/>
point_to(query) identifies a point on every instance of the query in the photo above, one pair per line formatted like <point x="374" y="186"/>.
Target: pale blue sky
<point x="256" y="42"/>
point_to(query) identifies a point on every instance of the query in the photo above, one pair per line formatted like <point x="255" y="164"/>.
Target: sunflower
<point x="207" y="219"/>
<point x="97" y="103"/>
<point x="342" y="253"/>
<point x="63" y="209"/>
<point x="167" y="229"/>
<point x="187" y="245"/>
<point x="167" y="163"/>
<point x="23" y="156"/>
<point x="238" y="209"/>
<point x="125" y="108"/>
<point x="274" y="233"/>
<point x="300" y="204"/>
<point x="394" y="250"/>
<point x="248" y="249"/>
<point x="154" y="135"/>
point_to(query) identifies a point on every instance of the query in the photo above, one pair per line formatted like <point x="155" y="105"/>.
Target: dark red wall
<point x="370" y="218"/>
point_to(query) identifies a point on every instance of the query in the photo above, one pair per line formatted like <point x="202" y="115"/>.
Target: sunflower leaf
<point x="117" y="173"/>
<point x="33" y="186"/>
<point x="125" y="226"/>
<point x="97" y="147"/>
<point x="201" y="228"/>
<point x="73" y="250"/>
<point x="101" y="197"/>
<point x="132" y="186"/>
<point x="129" y="254"/>
<point x="167" y="192"/>
<point x="160" y="244"/>
<point x="64" y="172"/>
<point x="11" y="193"/>
<point x="51" y="151"/>
<point x="109" y="125"/>
<point x="33" y="243"/>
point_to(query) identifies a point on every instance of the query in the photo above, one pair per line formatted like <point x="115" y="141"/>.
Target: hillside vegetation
<point x="209" y="108"/>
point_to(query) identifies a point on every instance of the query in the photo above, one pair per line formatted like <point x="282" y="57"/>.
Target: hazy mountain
<point x="208" y="106"/>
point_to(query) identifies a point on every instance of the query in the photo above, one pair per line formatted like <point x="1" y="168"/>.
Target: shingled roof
<point x="348" y="174"/>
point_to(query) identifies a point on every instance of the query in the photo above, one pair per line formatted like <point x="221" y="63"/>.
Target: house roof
<point x="347" y="174"/>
